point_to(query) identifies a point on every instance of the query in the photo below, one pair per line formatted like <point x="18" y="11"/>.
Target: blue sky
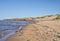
<point x="27" y="8"/>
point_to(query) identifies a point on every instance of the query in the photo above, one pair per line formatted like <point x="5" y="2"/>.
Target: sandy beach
<point x="48" y="30"/>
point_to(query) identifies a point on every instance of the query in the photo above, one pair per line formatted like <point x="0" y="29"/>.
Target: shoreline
<point x="7" y="36"/>
<point x="15" y="32"/>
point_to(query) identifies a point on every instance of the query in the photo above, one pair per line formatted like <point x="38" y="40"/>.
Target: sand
<point x="48" y="30"/>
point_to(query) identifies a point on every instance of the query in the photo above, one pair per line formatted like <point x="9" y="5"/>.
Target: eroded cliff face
<point x="42" y="30"/>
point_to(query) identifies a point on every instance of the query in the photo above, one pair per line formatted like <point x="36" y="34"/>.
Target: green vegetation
<point x="58" y="17"/>
<point x="38" y="17"/>
<point x="43" y="17"/>
<point x="32" y="17"/>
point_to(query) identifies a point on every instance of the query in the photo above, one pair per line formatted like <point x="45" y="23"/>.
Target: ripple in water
<point x="9" y="27"/>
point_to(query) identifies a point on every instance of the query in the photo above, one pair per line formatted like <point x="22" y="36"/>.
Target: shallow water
<point x="9" y="27"/>
<point x="7" y="35"/>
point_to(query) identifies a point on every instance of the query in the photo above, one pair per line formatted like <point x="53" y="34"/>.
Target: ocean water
<point x="9" y="27"/>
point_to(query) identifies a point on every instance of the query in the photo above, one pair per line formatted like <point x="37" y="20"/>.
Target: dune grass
<point x="58" y="17"/>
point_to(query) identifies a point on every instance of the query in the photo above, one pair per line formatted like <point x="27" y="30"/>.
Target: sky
<point x="28" y="8"/>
